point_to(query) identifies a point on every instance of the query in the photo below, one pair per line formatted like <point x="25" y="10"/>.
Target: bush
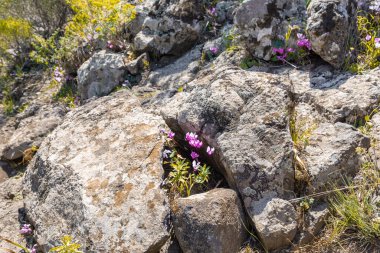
<point x="94" y="21"/>
<point x="14" y="34"/>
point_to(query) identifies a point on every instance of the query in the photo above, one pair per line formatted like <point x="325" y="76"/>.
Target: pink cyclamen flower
<point x="303" y="41"/>
<point x="213" y="11"/>
<point x="34" y="249"/>
<point x="191" y="136"/>
<point x="194" y="155"/>
<point x="278" y="50"/>
<point x="280" y="53"/>
<point x="26" y="230"/>
<point x="368" y="37"/>
<point x="290" y="50"/>
<point x="171" y="135"/>
<point x="196" y="143"/>
<point x="377" y="42"/>
<point x="210" y="150"/>
<point x="214" y="50"/>
<point x="196" y="165"/>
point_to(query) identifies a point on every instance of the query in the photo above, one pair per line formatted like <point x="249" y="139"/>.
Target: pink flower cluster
<point x="109" y="44"/>
<point x="26" y="229"/>
<point x="58" y="74"/>
<point x="282" y="53"/>
<point x="194" y="142"/>
<point x="214" y="50"/>
<point x="303" y="41"/>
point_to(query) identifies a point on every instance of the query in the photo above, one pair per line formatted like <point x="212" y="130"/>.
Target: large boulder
<point x="100" y="74"/>
<point x="31" y="128"/>
<point x="260" y="22"/>
<point x="97" y="177"/>
<point x="331" y="154"/>
<point x="330" y="24"/>
<point x="210" y="222"/>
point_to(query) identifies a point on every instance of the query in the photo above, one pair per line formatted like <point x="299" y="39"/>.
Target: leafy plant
<point x="7" y="102"/>
<point x="181" y="179"/>
<point x="248" y="63"/>
<point x="306" y="203"/>
<point x="15" y="244"/>
<point x="184" y="174"/>
<point x="68" y="246"/>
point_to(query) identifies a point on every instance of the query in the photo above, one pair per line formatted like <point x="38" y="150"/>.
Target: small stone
<point x="210" y="222"/>
<point x="276" y="222"/>
<point x="100" y="74"/>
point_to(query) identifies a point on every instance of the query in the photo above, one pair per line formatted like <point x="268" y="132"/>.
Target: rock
<point x="138" y="65"/>
<point x="166" y="36"/>
<point x="171" y="246"/>
<point x="330" y="24"/>
<point x="32" y="127"/>
<point x="331" y="154"/>
<point x="209" y="222"/>
<point x="97" y="177"/>
<point x="259" y="22"/>
<point x="7" y="127"/>
<point x="314" y="220"/>
<point x="244" y="116"/>
<point x="6" y="171"/>
<point x="187" y="10"/>
<point x="10" y="211"/>
<point x="276" y="223"/>
<point x="100" y="74"/>
<point x="339" y="98"/>
<point x="224" y="11"/>
<point x="177" y="74"/>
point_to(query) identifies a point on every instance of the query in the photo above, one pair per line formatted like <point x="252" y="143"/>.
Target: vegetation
<point x="184" y="174"/>
<point x="67" y="245"/>
<point x="293" y="47"/>
<point x="365" y="53"/>
<point x="65" y="32"/>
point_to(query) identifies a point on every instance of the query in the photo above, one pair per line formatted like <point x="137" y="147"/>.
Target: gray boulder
<point x="331" y="154"/>
<point x="210" y="222"/>
<point x="259" y="22"/>
<point x="138" y="65"/>
<point x="100" y="74"/>
<point x="330" y="24"/>
<point x="314" y="220"/>
<point x="276" y="223"/>
<point x="97" y="177"/>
